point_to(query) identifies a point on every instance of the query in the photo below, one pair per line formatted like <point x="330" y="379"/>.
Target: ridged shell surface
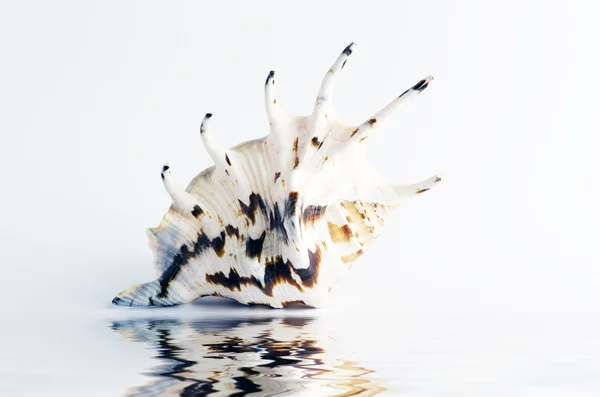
<point x="278" y="219"/>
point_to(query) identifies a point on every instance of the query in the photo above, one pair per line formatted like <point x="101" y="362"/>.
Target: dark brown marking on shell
<point x="344" y="64"/>
<point x="277" y="217"/>
<point x="420" y="86"/>
<point x="232" y="282"/>
<point x="347" y="231"/>
<point x="232" y="230"/>
<point x="254" y="247"/>
<point x="180" y="259"/>
<point x="348" y="49"/>
<point x="290" y="205"/>
<point x="354" y="132"/>
<point x="438" y="179"/>
<point x="227" y="159"/>
<point x="274" y="101"/>
<point x="184" y="256"/>
<point x="206" y="116"/>
<point x="295" y="151"/>
<point x="316" y="143"/>
<point x="276" y="223"/>
<point x="362" y="139"/>
<point x="173" y="270"/>
<point x="297" y="302"/>
<point x="256" y="203"/>
<point x="310" y="275"/>
<point x="372" y="122"/>
<point x="277" y="175"/>
<point x="197" y="211"/>
<point x="218" y="244"/>
<point x="276" y="272"/>
<point x="423" y="190"/>
<point x="312" y="213"/>
<point x="227" y="172"/>
<point x="339" y="234"/>
<point x="270" y="76"/>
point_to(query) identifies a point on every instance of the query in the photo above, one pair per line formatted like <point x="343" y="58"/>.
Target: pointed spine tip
<point x="349" y="48"/>
<point x="421" y="85"/>
<point x="270" y="77"/>
<point x="203" y="125"/>
<point x="117" y="301"/>
<point x="165" y="168"/>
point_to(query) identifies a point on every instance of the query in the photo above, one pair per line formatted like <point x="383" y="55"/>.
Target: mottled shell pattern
<point x="278" y="219"/>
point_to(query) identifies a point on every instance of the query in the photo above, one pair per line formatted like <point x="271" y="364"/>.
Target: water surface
<point x="222" y="350"/>
<point x="237" y="357"/>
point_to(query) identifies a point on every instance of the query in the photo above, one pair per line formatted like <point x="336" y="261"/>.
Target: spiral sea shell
<point x="278" y="219"/>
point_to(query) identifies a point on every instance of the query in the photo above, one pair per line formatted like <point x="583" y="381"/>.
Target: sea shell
<point x="278" y="219"/>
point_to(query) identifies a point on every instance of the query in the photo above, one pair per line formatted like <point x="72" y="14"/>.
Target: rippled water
<point x="228" y="350"/>
<point x="265" y="356"/>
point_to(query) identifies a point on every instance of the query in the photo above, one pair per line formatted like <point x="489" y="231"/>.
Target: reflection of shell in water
<point x="267" y="356"/>
<point x="277" y="219"/>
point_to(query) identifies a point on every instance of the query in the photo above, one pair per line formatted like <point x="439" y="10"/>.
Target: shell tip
<point x="120" y="302"/>
<point x="349" y="48"/>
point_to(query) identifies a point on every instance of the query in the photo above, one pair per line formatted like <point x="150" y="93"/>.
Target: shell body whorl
<point x="278" y="219"/>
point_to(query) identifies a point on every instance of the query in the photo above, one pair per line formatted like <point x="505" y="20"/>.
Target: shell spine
<point x="277" y="219"/>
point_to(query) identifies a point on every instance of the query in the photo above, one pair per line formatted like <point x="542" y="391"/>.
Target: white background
<point x="96" y="96"/>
